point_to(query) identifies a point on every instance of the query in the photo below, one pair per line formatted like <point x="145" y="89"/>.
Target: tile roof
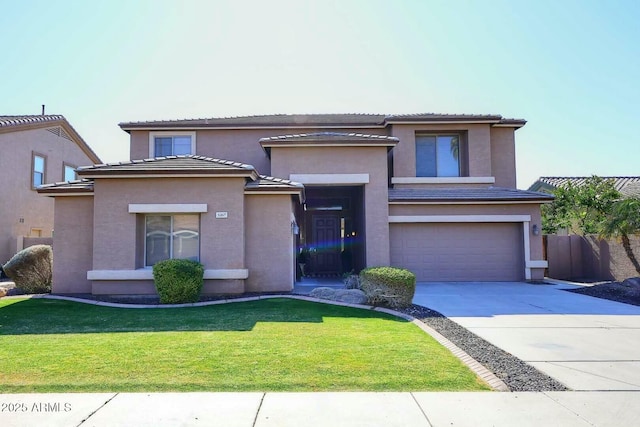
<point x="270" y="182"/>
<point x="169" y="165"/>
<point x="329" y="138"/>
<point x="465" y="194"/>
<point x="80" y="186"/>
<point x="262" y="183"/>
<point x="8" y="123"/>
<point x="627" y="185"/>
<point x="321" y="120"/>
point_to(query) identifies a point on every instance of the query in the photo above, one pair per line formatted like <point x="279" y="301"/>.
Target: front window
<point x="172" y="145"/>
<point x="171" y="236"/>
<point x="38" y="170"/>
<point x="437" y="155"/>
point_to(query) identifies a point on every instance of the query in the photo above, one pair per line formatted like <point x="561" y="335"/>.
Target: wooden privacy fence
<point x="589" y="258"/>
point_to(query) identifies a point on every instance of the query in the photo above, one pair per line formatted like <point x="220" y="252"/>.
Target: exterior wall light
<point x="535" y="230"/>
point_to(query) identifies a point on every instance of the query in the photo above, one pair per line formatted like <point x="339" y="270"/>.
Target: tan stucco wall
<point x="347" y="160"/>
<point x="503" y="157"/>
<point x="17" y="199"/>
<point x="239" y="145"/>
<point x="535" y="242"/>
<point x="221" y="242"/>
<point x="270" y="243"/>
<point x="73" y="243"/>
<point x="477" y="139"/>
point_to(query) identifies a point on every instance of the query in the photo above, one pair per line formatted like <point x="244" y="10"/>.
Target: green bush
<point x="178" y="281"/>
<point x="30" y="269"/>
<point x="389" y="286"/>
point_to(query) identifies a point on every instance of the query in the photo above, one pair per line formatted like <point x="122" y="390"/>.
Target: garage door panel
<point x="459" y="252"/>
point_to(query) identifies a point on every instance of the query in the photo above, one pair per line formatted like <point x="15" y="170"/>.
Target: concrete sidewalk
<point x="321" y="409"/>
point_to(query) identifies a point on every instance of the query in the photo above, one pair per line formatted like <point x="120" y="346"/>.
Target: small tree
<point x="624" y="221"/>
<point x="581" y="209"/>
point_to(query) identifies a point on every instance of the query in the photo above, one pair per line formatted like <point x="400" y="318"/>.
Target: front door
<point x="326" y="244"/>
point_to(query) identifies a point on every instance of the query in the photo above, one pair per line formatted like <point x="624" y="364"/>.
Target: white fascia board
<point x="147" y="274"/>
<point x="272" y="193"/>
<point x="458" y="218"/>
<point x="442" y="122"/>
<point x="330" y="178"/>
<point x="444" y="180"/>
<point x="248" y="174"/>
<point x="167" y="208"/>
<point x="309" y="144"/>
<point x="194" y="128"/>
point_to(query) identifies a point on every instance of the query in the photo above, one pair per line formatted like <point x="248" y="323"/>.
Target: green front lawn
<point x="267" y="345"/>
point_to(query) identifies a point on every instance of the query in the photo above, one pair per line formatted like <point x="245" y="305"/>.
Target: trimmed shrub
<point x="178" y="281"/>
<point x="390" y="286"/>
<point x="30" y="269"/>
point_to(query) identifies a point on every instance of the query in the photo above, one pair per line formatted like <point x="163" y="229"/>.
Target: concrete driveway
<point x="586" y="343"/>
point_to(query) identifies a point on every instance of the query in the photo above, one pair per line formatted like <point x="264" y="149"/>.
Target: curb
<point x="489" y="377"/>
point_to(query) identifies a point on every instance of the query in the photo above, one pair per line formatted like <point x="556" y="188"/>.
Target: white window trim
<point x="147" y="274"/>
<point x="153" y="135"/>
<point x="167" y="208"/>
<point x="524" y="219"/>
<point x="444" y="180"/>
<point x="330" y="178"/>
<point x="33" y="169"/>
<point x="459" y="218"/>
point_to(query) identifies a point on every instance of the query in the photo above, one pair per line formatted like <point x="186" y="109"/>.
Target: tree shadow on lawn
<point x="45" y="316"/>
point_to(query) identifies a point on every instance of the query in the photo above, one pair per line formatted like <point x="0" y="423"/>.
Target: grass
<point x="267" y="345"/>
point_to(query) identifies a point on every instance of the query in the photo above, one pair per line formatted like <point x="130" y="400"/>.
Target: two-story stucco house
<point x="429" y="192"/>
<point x="34" y="150"/>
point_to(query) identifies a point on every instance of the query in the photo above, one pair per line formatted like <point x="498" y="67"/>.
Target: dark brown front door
<point x="326" y="244"/>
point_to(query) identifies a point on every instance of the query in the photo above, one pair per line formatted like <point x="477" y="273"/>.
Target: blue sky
<point x="571" y="68"/>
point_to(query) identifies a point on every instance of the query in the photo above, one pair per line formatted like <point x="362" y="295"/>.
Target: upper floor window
<point x="171" y="236"/>
<point x="69" y="173"/>
<point x="437" y="155"/>
<point x="39" y="164"/>
<point x="171" y="144"/>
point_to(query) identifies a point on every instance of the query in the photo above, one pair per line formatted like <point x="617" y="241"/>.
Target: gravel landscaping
<point x="627" y="292"/>
<point x="515" y="373"/>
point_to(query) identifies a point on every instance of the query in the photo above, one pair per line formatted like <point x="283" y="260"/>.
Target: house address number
<point x="222" y="215"/>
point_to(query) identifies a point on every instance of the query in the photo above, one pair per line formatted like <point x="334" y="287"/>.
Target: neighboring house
<point x="432" y="193"/>
<point x="34" y="150"/>
<point x="628" y="186"/>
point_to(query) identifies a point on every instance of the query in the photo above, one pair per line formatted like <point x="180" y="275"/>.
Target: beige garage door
<point x="459" y="252"/>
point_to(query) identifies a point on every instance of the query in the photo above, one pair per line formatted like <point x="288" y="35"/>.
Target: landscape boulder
<point x="30" y="269"/>
<point x="350" y="296"/>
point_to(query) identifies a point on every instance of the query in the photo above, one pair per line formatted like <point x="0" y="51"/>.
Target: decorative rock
<point x="350" y="296"/>
<point x="3" y="292"/>
<point x="30" y="269"/>
<point x="323" y="293"/>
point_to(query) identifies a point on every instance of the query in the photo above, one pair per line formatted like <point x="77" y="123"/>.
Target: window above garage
<point x="439" y="155"/>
